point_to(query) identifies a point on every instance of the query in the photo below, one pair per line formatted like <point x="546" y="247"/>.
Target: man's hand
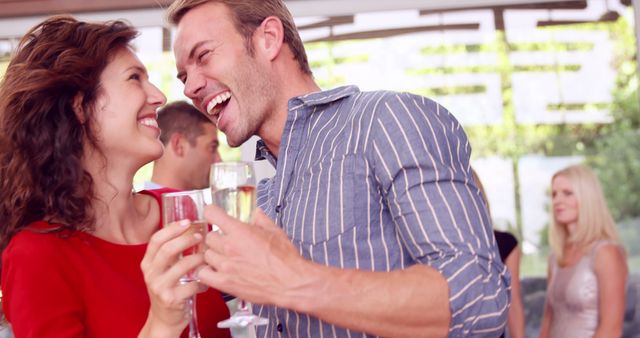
<point x="255" y="262"/>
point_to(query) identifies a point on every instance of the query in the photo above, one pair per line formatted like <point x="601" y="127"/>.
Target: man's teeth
<point x="216" y="100"/>
<point x="151" y="122"/>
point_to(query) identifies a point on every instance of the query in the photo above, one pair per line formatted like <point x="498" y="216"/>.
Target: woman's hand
<point x="162" y="270"/>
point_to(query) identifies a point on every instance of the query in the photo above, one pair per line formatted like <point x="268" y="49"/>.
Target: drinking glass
<point x="188" y="205"/>
<point x="233" y="188"/>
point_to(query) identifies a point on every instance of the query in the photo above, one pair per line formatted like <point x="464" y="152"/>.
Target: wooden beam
<point x="384" y="33"/>
<point x="560" y="4"/>
<point x="23" y="8"/>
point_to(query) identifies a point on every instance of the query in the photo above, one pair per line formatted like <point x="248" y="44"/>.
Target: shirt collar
<point x="308" y="100"/>
<point x="328" y="96"/>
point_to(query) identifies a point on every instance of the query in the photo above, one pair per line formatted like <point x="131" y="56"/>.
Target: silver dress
<point x="573" y="297"/>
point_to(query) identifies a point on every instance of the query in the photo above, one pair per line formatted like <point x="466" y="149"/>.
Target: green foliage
<point x="533" y="265"/>
<point x="331" y="80"/>
<point x="616" y="154"/>
<point x="452" y="90"/>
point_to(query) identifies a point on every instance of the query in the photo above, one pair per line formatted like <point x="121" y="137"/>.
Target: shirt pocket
<point x="322" y="203"/>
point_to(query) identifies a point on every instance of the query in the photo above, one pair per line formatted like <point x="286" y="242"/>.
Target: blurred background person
<point x="587" y="268"/>
<point x="82" y="255"/>
<point x="510" y="255"/>
<point x="190" y="147"/>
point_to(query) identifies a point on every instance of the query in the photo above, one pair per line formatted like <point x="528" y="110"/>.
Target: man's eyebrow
<point x="195" y="47"/>
<point x="192" y="52"/>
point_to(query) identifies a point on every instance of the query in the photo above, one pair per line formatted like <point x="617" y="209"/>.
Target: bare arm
<point x="515" y="320"/>
<point x="395" y="304"/>
<point x="547" y="317"/>
<point x="264" y="267"/>
<point x="611" y="270"/>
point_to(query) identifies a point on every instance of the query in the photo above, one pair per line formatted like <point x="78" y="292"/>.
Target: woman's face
<point x="565" y="203"/>
<point x="125" y="111"/>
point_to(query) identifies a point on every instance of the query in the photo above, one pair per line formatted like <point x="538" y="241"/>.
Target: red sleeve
<point x="39" y="292"/>
<point x="157" y="194"/>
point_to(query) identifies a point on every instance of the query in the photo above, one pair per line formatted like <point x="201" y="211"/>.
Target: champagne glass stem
<point x="243" y="306"/>
<point x="193" y="318"/>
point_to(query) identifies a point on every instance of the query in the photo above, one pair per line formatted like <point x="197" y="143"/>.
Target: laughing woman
<point x="83" y="256"/>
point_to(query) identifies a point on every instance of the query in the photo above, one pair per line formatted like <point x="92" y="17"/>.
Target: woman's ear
<point x="78" y="109"/>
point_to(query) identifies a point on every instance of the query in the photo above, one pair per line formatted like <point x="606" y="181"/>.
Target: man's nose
<point x="193" y="85"/>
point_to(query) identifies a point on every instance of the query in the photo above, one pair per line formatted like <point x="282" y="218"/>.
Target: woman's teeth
<point x="151" y="122"/>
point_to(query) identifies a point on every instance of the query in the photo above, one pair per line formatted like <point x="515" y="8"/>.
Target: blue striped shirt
<point x="380" y="181"/>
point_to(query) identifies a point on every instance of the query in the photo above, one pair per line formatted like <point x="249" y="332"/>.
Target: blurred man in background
<point x="190" y="147"/>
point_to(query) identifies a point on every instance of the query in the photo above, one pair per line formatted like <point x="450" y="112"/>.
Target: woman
<point x="77" y="120"/>
<point x="587" y="268"/>
<point x="510" y="255"/>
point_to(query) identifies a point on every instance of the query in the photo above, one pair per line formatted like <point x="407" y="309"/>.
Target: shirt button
<point x="278" y="207"/>
<point x="279" y="327"/>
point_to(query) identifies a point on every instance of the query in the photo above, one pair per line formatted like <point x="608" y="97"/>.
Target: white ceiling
<point x="15" y="27"/>
<point x="345" y="7"/>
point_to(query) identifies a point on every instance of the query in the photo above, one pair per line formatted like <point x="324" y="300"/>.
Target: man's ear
<point x="176" y="144"/>
<point x="269" y="37"/>
<point x="78" y="109"/>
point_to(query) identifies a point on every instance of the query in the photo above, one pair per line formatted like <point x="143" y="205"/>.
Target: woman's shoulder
<point x="149" y="203"/>
<point x="39" y="251"/>
<point x="605" y="246"/>
<point x="608" y="256"/>
<point x="607" y="249"/>
<point x="39" y="237"/>
<point x="155" y="193"/>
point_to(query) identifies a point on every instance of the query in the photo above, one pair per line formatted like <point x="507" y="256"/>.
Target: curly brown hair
<point x="57" y="63"/>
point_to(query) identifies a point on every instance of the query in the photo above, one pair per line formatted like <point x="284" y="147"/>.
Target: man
<point x="190" y="147"/>
<point x="377" y="226"/>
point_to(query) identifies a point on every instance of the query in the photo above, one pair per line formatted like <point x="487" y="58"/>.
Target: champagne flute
<point x="233" y="188"/>
<point x="189" y="205"/>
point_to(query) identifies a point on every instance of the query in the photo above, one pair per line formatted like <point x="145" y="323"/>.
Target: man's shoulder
<point x="382" y="99"/>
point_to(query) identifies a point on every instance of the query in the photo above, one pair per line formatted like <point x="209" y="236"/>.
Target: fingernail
<point x="197" y="236"/>
<point x="184" y="223"/>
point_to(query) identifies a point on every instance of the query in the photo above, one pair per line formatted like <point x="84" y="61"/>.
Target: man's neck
<point x="271" y="130"/>
<point x="163" y="177"/>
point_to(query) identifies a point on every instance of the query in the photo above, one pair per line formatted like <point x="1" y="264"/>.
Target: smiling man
<point x="374" y="224"/>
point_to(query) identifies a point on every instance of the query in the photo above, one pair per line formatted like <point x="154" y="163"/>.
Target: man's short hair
<point x="181" y="117"/>
<point x="247" y="16"/>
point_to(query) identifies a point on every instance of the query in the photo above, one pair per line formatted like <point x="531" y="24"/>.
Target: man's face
<point x="230" y="86"/>
<point x="200" y="156"/>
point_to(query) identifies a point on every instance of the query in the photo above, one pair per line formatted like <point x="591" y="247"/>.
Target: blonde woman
<point x="510" y="255"/>
<point x="587" y="268"/>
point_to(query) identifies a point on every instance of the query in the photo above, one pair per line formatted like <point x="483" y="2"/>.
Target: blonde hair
<point x="594" y="219"/>
<point x="247" y="16"/>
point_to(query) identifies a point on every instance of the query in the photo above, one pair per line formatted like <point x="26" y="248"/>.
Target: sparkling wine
<point x="200" y="227"/>
<point x="237" y="202"/>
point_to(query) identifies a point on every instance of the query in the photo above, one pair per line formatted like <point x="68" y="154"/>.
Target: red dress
<point x="77" y="285"/>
